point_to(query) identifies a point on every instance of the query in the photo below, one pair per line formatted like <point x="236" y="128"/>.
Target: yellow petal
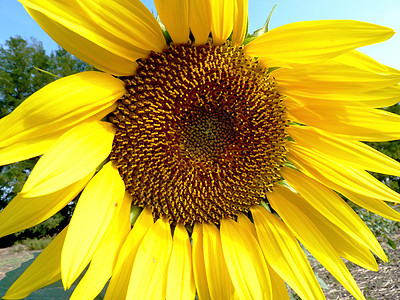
<point x="71" y="28"/>
<point x="199" y="271"/>
<point x="350" y="122"/>
<point x="344" y="245"/>
<point x="245" y="222"/>
<point x="279" y="290"/>
<point x="27" y="149"/>
<point x="284" y="254"/>
<point x="360" y="182"/>
<point x="43" y="271"/>
<point x="96" y="209"/>
<point x="76" y="154"/>
<point x="240" y="22"/>
<point x="148" y="277"/>
<point x="356" y="60"/>
<point x="200" y="20"/>
<point x="332" y="207"/>
<point x="59" y="106"/>
<point x="309" y="235"/>
<point x="370" y="203"/>
<point x="362" y="61"/>
<point x="130" y="21"/>
<point x="102" y="264"/>
<point x="382" y="97"/>
<point x="24" y="212"/>
<point x="245" y="261"/>
<point x="219" y="282"/>
<point x="352" y="153"/>
<point x="222" y="17"/>
<point x="314" y="41"/>
<point x="118" y="285"/>
<point x="334" y="76"/>
<point x="180" y="281"/>
<point x="174" y="14"/>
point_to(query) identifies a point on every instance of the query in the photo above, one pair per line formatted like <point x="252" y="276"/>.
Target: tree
<point x="25" y="68"/>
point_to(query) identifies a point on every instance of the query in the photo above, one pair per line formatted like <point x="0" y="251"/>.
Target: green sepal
<point x="167" y="37"/>
<point x="248" y="39"/>
<point x="99" y="167"/>
<point x="252" y="36"/>
<point x="265" y="205"/>
<point x="286" y="185"/>
<point x="135" y="212"/>
<point x="265" y="28"/>
<point x="272" y="69"/>
<point x="289" y="164"/>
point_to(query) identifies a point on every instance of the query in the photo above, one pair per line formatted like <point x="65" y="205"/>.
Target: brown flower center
<point x="206" y="132"/>
<point x="200" y="133"/>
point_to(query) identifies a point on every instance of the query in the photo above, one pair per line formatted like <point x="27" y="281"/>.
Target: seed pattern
<point x="200" y="133"/>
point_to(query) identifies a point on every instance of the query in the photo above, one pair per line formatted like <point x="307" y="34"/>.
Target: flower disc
<point x="200" y="133"/>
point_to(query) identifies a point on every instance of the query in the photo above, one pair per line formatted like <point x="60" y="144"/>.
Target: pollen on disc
<point x="200" y="133"/>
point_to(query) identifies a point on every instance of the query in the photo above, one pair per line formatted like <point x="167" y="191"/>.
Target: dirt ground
<point x="382" y="285"/>
<point x="12" y="258"/>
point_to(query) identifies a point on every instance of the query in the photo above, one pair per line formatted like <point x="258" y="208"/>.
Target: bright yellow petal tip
<point x="314" y="41"/>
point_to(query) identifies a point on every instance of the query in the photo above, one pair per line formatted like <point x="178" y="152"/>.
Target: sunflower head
<point x="200" y="133"/>
<point x="193" y="131"/>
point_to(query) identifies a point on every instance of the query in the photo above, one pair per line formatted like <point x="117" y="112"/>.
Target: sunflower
<point x="226" y="152"/>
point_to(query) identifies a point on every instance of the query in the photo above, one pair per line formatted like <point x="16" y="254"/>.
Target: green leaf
<point x="390" y="242"/>
<point x="321" y="282"/>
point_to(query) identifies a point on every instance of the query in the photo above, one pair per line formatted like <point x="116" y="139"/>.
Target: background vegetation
<point x="22" y="66"/>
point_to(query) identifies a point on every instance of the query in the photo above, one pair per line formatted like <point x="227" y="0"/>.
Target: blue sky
<point x="15" y="21"/>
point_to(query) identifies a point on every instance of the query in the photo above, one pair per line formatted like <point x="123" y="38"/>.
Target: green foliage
<point x="17" y="248"/>
<point x="12" y="178"/>
<point x="25" y="67"/>
<point x="47" y="227"/>
<point x="37" y="244"/>
<point x="20" y="75"/>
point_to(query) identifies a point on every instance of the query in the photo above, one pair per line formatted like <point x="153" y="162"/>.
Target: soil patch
<point x="12" y="258"/>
